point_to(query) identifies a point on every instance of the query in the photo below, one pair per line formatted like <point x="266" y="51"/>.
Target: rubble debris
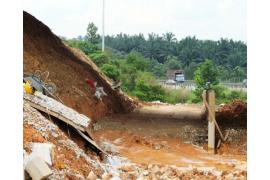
<point x="100" y="93"/>
<point x="60" y="111"/>
<point x="69" y="159"/>
<point x="42" y="150"/>
<point x="92" y="176"/>
<point x="38" y="83"/>
<point x="116" y="85"/>
<point x="38" y="169"/>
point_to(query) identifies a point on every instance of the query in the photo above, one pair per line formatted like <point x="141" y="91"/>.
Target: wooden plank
<point x="91" y="142"/>
<point x="52" y="113"/>
<point x="42" y="107"/>
<point x="58" y="108"/>
<point x="78" y="128"/>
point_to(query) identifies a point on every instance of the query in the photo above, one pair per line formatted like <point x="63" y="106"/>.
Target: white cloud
<point x="207" y="19"/>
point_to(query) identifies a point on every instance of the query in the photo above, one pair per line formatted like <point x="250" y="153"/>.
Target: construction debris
<point x="100" y="93"/>
<point x="42" y="150"/>
<point x="92" y="176"/>
<point x="69" y="159"/>
<point x="116" y="85"/>
<point x="57" y="109"/>
<point x="60" y="111"/>
<point x="40" y="83"/>
<point x="38" y="169"/>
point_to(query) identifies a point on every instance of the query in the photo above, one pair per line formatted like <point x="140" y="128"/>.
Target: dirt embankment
<point x="233" y="114"/>
<point x="68" y="69"/>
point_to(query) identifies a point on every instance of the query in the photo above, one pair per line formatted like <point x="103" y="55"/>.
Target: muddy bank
<point x="182" y="112"/>
<point x="233" y="114"/>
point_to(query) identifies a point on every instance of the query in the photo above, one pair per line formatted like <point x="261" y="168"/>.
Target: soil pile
<point x="68" y="69"/>
<point x="233" y="114"/>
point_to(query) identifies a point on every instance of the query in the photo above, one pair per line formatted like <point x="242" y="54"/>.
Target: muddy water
<point x="163" y="150"/>
<point x="163" y="141"/>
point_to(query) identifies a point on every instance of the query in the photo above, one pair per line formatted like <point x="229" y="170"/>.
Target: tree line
<point x="165" y="52"/>
<point x="138" y="62"/>
<point x="228" y="55"/>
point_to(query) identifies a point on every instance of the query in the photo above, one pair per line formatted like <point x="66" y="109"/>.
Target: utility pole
<point x="103" y="14"/>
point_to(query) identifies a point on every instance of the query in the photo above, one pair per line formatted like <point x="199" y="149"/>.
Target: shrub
<point x="111" y="71"/>
<point x="85" y="46"/>
<point x="100" y="58"/>
<point x="174" y="96"/>
<point x="148" y="92"/>
<point x="225" y="95"/>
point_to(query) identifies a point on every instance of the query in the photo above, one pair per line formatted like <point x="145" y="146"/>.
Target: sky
<point x="205" y="19"/>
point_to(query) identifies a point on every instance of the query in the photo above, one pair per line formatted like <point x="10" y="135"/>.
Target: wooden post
<point x="210" y="99"/>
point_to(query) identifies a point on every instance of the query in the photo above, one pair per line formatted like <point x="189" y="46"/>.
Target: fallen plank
<point x="91" y="142"/>
<point x="58" y="110"/>
<point x="64" y="113"/>
<point x="38" y="169"/>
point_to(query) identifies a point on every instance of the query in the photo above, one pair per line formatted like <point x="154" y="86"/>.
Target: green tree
<point x="159" y="70"/>
<point x="173" y="63"/>
<point x="91" y="33"/>
<point x="137" y="61"/>
<point x="206" y="75"/>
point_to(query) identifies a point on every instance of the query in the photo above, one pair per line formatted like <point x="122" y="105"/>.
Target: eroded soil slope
<point x="68" y="69"/>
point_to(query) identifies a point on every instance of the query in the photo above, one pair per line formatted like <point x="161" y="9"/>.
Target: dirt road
<point x="165" y="139"/>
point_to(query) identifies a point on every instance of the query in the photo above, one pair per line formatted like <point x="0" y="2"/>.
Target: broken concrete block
<point x="106" y="176"/>
<point x="43" y="150"/>
<point x="92" y="176"/>
<point x="38" y="169"/>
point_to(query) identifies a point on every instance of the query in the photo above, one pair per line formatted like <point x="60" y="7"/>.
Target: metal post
<point x="103" y="18"/>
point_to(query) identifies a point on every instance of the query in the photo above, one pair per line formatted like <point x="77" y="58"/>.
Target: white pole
<point x="103" y="13"/>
